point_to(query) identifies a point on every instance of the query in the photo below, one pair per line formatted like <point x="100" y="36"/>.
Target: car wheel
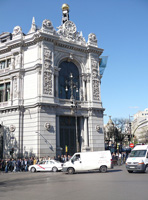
<point x="103" y="169"/>
<point x="129" y="171"/>
<point x="70" y="170"/>
<point x="146" y="169"/>
<point x="54" y="169"/>
<point x="33" y="169"/>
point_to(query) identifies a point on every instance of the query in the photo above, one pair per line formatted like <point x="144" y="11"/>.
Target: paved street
<point x="117" y="184"/>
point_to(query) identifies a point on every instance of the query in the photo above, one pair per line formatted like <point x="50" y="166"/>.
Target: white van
<point x="138" y="159"/>
<point x="85" y="161"/>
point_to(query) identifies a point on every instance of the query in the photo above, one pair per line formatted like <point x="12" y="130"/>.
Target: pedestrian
<point x="26" y="165"/>
<point x="59" y="158"/>
<point x="14" y="165"/>
<point x="65" y="158"/>
<point x="119" y="158"/>
<point x="34" y="161"/>
<point x="62" y="159"/>
<point x="18" y="165"/>
<point x="22" y="165"/>
<point x="69" y="157"/>
<point x="6" y="166"/>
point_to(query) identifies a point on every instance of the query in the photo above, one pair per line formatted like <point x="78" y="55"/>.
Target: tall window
<point x="1" y="92"/>
<point x="7" y="91"/>
<point x="4" y="92"/>
<point x="66" y="69"/>
<point x="5" y="64"/>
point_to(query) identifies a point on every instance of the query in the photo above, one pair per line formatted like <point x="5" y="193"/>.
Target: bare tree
<point x="121" y="124"/>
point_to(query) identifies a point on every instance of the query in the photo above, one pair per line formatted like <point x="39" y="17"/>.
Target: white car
<point x="46" y="165"/>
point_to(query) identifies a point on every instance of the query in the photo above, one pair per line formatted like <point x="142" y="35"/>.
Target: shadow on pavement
<point x="97" y="171"/>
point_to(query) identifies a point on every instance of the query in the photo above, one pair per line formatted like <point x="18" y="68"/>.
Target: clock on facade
<point x="70" y="26"/>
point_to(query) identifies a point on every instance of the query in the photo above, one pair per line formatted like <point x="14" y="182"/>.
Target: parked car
<point x="46" y="165"/>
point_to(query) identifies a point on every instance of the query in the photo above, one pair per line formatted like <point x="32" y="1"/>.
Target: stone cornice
<point x="35" y="67"/>
<point x="11" y="108"/>
<point x="16" y="71"/>
<point x="27" y="41"/>
<point x="9" y="73"/>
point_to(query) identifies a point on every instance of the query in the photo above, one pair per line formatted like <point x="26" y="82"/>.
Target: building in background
<point x="50" y="99"/>
<point x="140" y="126"/>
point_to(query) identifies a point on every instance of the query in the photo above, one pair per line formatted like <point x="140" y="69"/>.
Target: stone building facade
<point x="140" y="126"/>
<point x="50" y="99"/>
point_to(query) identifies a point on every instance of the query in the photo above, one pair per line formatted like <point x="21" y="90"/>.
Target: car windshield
<point x="138" y="153"/>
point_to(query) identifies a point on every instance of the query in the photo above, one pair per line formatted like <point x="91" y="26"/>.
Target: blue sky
<point x="121" y="27"/>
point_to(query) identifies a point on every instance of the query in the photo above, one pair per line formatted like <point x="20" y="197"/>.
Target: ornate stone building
<point x="50" y="99"/>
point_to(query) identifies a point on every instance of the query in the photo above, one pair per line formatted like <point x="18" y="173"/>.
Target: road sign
<point x="131" y="145"/>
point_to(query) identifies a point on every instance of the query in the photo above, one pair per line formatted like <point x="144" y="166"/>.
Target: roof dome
<point x="65" y="6"/>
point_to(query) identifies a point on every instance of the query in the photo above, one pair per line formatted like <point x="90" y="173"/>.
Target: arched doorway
<point x="69" y="85"/>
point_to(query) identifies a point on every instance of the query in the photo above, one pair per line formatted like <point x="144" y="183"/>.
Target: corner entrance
<point x="68" y="134"/>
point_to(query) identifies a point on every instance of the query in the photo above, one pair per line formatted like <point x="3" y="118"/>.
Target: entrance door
<point x="68" y="133"/>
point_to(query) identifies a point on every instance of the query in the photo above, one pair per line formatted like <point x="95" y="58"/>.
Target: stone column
<point x="85" y="132"/>
<point x="11" y="89"/>
<point x="88" y="88"/>
<point x="84" y="89"/>
<point x="86" y="139"/>
<point x="58" y="149"/>
<point x="56" y="85"/>
<point x="12" y="62"/>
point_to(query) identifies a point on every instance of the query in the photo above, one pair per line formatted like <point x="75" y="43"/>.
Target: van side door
<point x="77" y="162"/>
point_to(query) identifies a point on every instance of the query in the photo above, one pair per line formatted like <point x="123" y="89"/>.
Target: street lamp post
<point x="130" y="130"/>
<point x="74" y="104"/>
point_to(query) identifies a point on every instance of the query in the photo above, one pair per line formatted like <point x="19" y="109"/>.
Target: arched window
<point x="68" y="81"/>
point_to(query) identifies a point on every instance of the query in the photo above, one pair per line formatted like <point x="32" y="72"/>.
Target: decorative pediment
<point x="68" y="32"/>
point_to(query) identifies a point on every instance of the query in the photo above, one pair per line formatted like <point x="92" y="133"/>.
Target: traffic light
<point x="129" y="137"/>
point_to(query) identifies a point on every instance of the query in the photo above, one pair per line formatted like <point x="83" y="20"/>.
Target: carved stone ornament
<point x="92" y="39"/>
<point x="12" y="128"/>
<point x="96" y="94"/>
<point x="47" y="83"/>
<point x="70" y="27"/>
<point x="47" y="24"/>
<point x="47" y="27"/>
<point x="94" y="64"/>
<point x="48" y="71"/>
<point x="17" y="30"/>
<point x="98" y="128"/>
<point x="47" y="126"/>
<point x="68" y="32"/>
<point x="95" y="74"/>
